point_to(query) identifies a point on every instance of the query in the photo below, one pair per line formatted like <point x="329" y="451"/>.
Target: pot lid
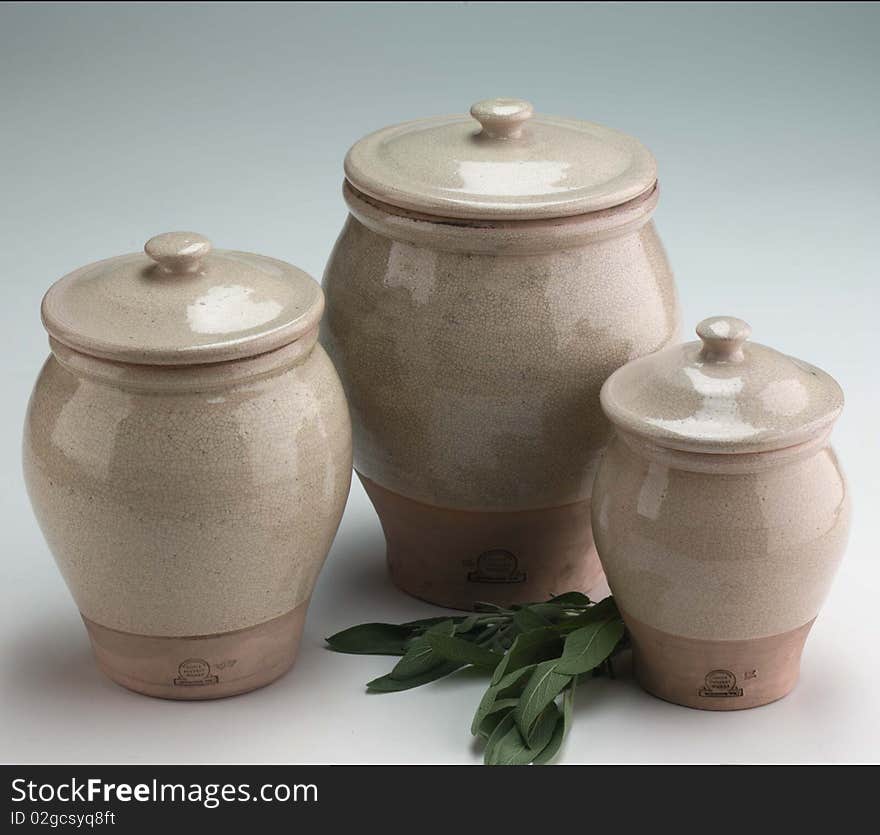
<point x="501" y="162"/>
<point x="722" y="394"/>
<point x="180" y="303"/>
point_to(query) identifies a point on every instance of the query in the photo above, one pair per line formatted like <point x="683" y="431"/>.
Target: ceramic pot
<point x="187" y="451"/>
<point x="720" y="514"/>
<point x="493" y="271"/>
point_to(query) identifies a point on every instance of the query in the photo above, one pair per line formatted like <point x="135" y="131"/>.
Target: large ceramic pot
<point x="720" y="513"/>
<point x="493" y="271"/>
<point x="187" y="452"/>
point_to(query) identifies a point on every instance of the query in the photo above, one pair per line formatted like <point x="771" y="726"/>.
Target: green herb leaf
<point x="457" y="649"/>
<point x="498" y="712"/>
<point x="544" y="685"/>
<point x="528" y="618"/>
<point x="419" y="656"/>
<point x="371" y="639"/>
<point x="508" y="686"/>
<point x="589" y="646"/>
<point x="466" y="625"/>
<point x="534" y="651"/>
<point x="387" y="684"/>
<point x="529" y="648"/>
<point x="506" y="745"/>
<point x="560" y="731"/>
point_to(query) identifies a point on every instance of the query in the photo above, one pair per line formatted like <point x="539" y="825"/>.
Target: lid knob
<point x="723" y="338"/>
<point x="178" y="252"/>
<point x="502" y="118"/>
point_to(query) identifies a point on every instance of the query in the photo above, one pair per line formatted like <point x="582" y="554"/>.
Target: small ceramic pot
<point x="493" y="271"/>
<point x="187" y="451"/>
<point x="720" y="514"/>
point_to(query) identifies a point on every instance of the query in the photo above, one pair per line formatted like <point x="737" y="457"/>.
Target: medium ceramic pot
<point x="493" y="271"/>
<point x="187" y="451"/>
<point x="720" y="514"/>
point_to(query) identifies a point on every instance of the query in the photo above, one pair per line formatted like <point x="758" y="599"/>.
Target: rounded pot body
<point x="472" y="355"/>
<point x="719" y="563"/>
<point x="190" y="508"/>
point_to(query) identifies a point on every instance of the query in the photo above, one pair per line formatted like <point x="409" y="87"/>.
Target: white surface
<point x="769" y="211"/>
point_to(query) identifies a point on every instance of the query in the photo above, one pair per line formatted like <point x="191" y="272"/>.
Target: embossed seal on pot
<point x="720" y="513"/>
<point x="495" y="268"/>
<point x="187" y="452"/>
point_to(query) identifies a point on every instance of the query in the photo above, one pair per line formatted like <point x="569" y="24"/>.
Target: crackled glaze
<point x="716" y="549"/>
<point x="722" y="394"/>
<point x="720" y="513"/>
<point x="188" y="505"/>
<point x="502" y="161"/>
<point x="473" y="368"/>
<point x="181" y="302"/>
<point x="198" y="506"/>
<point x="473" y="320"/>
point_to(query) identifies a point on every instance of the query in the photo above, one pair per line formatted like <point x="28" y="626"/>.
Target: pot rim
<point x="508" y="237"/>
<point x="722" y="463"/>
<point x="185" y="378"/>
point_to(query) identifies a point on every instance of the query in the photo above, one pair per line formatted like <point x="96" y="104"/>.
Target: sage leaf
<point x="544" y="685"/>
<point x="387" y="684"/>
<point x="466" y="625"/>
<point x="510" y="685"/>
<point x="419" y="656"/>
<point x="371" y="639"/>
<point x="509" y="748"/>
<point x="589" y="646"/>
<point x="534" y="652"/>
<point x="498" y="733"/>
<point x="451" y="648"/>
<point x="560" y="731"/>
<point x="500" y="709"/>
<point x="527" y="619"/>
<point x="529" y="648"/>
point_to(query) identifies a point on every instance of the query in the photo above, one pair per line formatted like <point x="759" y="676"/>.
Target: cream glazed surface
<point x="473" y="355"/>
<point x="187" y="452"/>
<point x="720" y="550"/>
<point x="494" y="269"/>
<point x="188" y="501"/>
<point x="720" y="514"/>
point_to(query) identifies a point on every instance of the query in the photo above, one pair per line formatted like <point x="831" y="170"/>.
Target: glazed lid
<point x="181" y="303"/>
<point x="501" y="162"/>
<point x="722" y="394"/>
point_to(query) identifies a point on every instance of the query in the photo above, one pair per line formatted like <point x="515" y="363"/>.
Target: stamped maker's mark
<point x="195" y="672"/>
<point x="496" y="566"/>
<point x="720" y="684"/>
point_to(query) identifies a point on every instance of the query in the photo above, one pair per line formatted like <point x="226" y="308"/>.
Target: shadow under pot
<point x="187" y="452"/>
<point x="720" y="514"/>
<point x="493" y="271"/>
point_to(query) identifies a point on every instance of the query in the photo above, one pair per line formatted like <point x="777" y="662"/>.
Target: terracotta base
<point x="716" y="675"/>
<point x="201" y="666"/>
<point x="455" y="558"/>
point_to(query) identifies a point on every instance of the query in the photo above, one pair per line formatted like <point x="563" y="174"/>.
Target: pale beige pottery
<point x="495" y="268"/>
<point x="187" y="451"/>
<point x="720" y="513"/>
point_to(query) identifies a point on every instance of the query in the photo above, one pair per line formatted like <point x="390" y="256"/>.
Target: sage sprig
<point x="535" y="655"/>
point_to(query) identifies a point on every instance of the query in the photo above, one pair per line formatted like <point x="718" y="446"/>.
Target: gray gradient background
<point x="121" y="121"/>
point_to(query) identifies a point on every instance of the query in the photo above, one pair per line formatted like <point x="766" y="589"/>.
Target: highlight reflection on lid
<point x="502" y="161"/>
<point x="722" y="394"/>
<point x="182" y="302"/>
